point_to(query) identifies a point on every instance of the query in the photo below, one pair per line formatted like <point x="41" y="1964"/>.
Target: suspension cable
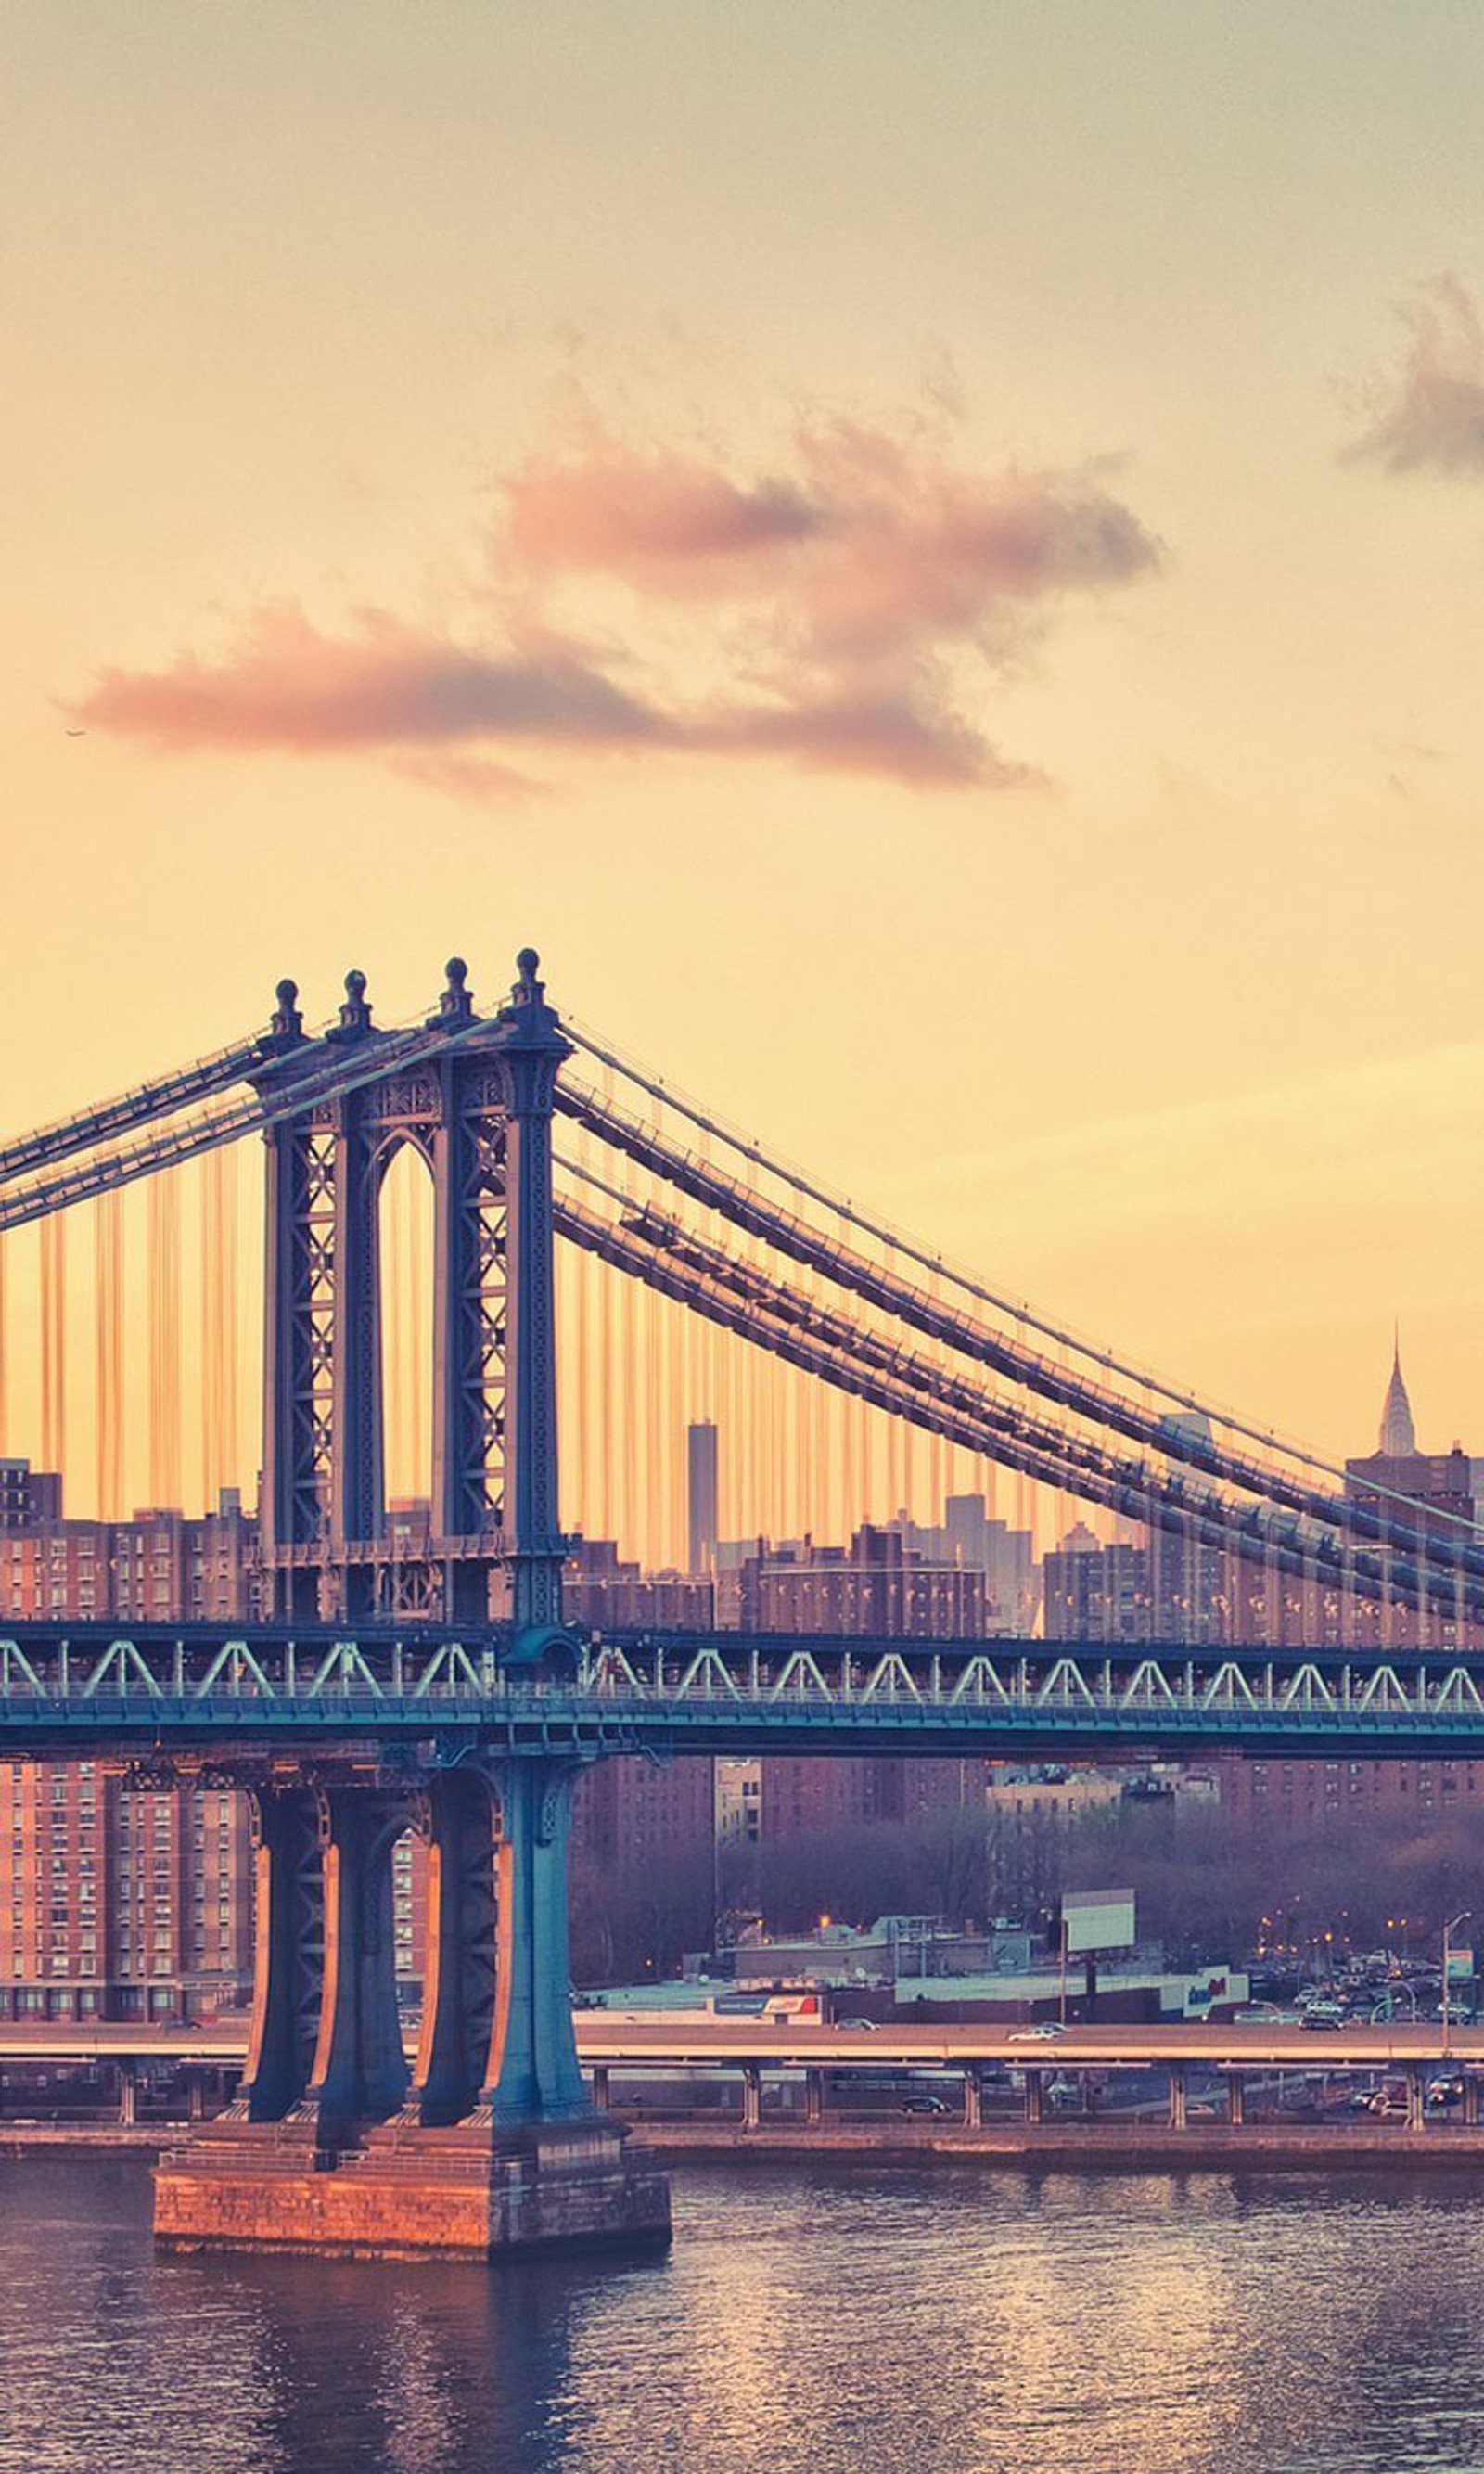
<point x="940" y="1267"/>
<point x="797" y="1238"/>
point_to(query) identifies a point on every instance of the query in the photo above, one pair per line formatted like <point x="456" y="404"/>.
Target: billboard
<point x="1460" y="1967"/>
<point x="1097" y="1920"/>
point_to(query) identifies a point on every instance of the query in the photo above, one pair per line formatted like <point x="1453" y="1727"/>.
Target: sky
<point x="930" y="560"/>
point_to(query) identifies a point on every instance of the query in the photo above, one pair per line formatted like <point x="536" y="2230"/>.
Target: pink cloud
<point x="924" y="553"/>
<point x="1432" y="415"/>
<point x="884" y="735"/>
<point x="667" y="521"/>
<point x="859" y="583"/>
<point x="880" y="543"/>
<point x="286" y="685"/>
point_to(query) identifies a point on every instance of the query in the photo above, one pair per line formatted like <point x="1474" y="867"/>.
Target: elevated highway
<point x="673" y="2041"/>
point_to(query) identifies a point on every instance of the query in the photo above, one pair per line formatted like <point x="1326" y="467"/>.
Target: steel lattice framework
<point x="241" y="1697"/>
<point x="474" y="1101"/>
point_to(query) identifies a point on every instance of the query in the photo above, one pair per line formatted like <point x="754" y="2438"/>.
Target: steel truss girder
<point x="714" y="1691"/>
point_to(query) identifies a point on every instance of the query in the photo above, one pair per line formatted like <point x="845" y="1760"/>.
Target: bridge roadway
<point x="247" y="1695"/>
<point x="675" y="2041"/>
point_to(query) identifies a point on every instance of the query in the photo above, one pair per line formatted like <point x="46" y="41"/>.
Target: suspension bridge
<point x="420" y="1674"/>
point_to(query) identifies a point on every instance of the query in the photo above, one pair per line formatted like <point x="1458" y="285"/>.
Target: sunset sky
<point x="931" y="559"/>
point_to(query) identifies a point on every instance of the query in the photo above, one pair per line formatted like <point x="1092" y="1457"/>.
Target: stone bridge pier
<point x="489" y="2141"/>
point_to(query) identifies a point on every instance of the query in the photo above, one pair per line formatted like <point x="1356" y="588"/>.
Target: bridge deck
<point x="263" y="1689"/>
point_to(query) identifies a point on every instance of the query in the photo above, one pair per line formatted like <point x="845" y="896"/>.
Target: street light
<point x="1449" y="1930"/>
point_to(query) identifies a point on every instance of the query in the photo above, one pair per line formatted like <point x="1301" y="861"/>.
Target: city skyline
<point x="973" y="539"/>
<point x="907" y="1479"/>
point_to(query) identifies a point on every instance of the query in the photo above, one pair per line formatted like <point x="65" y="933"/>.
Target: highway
<point x="673" y="2040"/>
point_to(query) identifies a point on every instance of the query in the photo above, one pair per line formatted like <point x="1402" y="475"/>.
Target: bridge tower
<point x="479" y="1113"/>
<point x="490" y="2140"/>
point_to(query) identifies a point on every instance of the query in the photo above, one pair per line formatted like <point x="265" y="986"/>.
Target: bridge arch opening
<point x="405" y="1248"/>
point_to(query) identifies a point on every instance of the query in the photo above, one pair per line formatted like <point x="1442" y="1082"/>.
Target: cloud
<point x="836" y="602"/>
<point x="884" y="735"/>
<point x="1431" y="418"/>
<point x="881" y="547"/>
<point x="286" y="685"/>
<point x="667" y="521"/>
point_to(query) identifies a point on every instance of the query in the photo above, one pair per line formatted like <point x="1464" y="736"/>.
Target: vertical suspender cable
<point x="678" y="1419"/>
<point x="54" y="1341"/>
<point x="581" y="1499"/>
<point x="164" y="1337"/>
<point x="603" y="1519"/>
<point x="218" y="1324"/>
<point x="108" y="1355"/>
<point x="661" y="1445"/>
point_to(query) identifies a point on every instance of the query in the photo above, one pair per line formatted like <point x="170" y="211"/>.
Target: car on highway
<point x="923" y="2104"/>
<point x="1039" y="2034"/>
<point x="856" y="2022"/>
<point x="1322" y="2014"/>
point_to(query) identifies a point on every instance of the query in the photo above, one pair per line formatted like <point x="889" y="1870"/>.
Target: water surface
<point x="848" y="2319"/>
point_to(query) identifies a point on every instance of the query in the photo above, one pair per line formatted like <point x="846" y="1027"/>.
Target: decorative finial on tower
<point x="356" y="1013"/>
<point x="1399" y="1434"/>
<point x="287" y="1022"/>
<point x="526" y="1017"/>
<point x="455" y="1004"/>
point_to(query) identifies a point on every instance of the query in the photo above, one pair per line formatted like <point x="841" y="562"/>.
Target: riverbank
<point x="1124" y="2148"/>
<point x="89" y="2138"/>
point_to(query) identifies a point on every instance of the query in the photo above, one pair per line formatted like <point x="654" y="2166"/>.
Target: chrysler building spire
<point x="1399" y="1434"/>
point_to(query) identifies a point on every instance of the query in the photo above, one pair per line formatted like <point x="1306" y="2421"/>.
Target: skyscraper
<point x="1399" y="1434"/>
<point x="701" y="1499"/>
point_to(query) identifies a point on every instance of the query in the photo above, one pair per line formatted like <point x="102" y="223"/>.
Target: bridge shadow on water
<point x="438" y="2368"/>
<point x="114" y="2355"/>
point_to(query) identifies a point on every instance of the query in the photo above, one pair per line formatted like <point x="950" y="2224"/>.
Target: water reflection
<point x="828" y="2320"/>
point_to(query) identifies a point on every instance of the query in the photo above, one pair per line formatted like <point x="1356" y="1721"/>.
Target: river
<point x="847" y="2319"/>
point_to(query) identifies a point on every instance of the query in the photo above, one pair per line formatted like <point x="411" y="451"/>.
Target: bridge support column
<point x="128" y="2095"/>
<point x="600" y="2085"/>
<point x="532" y="2073"/>
<point x="1178" y="2116"/>
<point x="1470" y="2100"/>
<point x="752" y="2096"/>
<point x="359" y="2073"/>
<point x="195" y="2094"/>
<point x="289" y="1952"/>
<point x="1236" y="2098"/>
<point x="1035" y="2097"/>
<point x="461" y="1819"/>
<point x="973" y="2100"/>
<point x="1417" y="2100"/>
<point x="813" y="2098"/>
<point x="497" y="2145"/>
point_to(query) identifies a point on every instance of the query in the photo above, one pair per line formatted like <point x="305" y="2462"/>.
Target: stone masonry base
<point x="410" y="2194"/>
